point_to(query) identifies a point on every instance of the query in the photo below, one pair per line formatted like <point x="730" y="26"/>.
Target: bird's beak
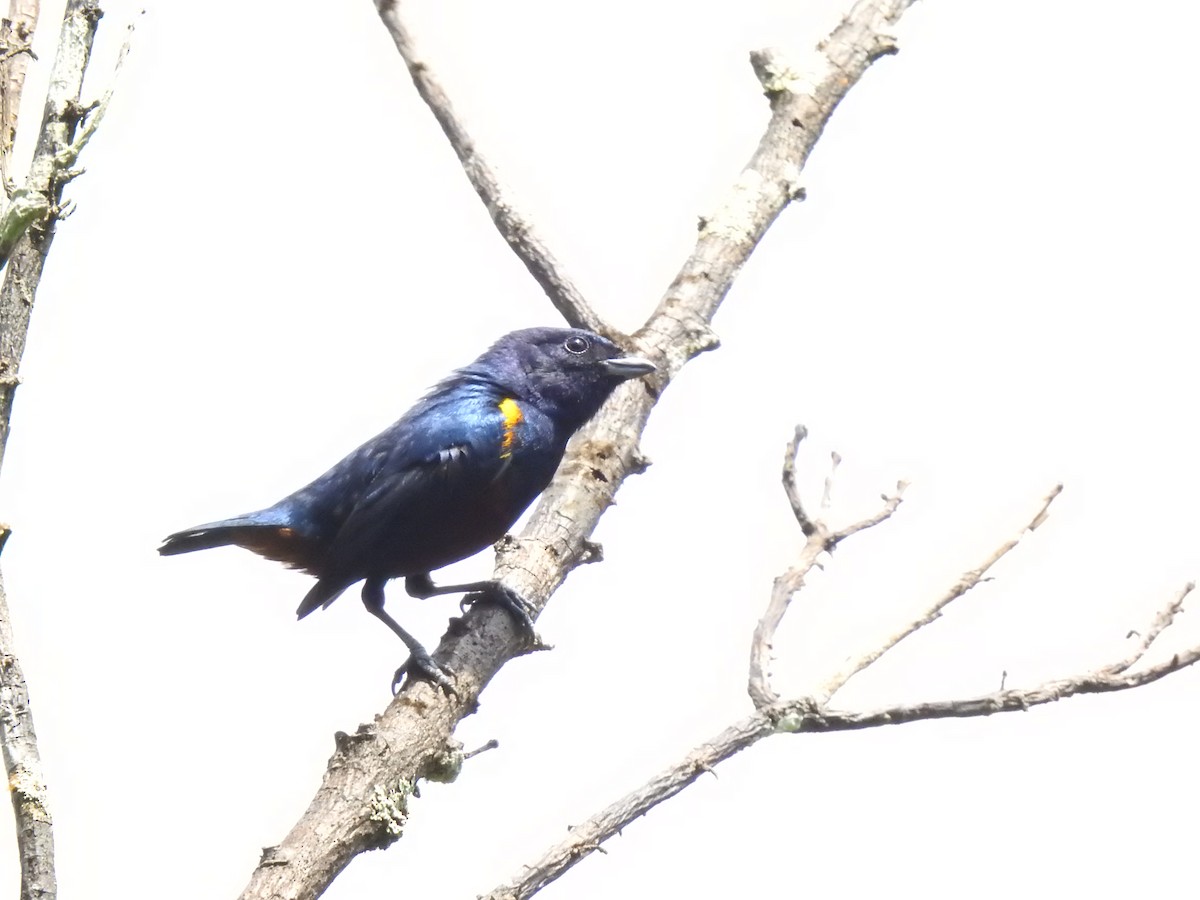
<point x="628" y="367"/>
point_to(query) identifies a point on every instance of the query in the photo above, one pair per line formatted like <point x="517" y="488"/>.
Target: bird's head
<point x="567" y="373"/>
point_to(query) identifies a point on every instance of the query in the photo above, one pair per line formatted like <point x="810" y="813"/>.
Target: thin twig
<point x="483" y="748"/>
<point x="964" y="584"/>
<point x="1105" y="680"/>
<point x="1160" y="624"/>
<point x="801" y="716"/>
<point x="588" y="836"/>
<point x="67" y="157"/>
<point x="790" y="487"/>
<point x="891" y="502"/>
<point x="512" y="224"/>
<point x="785" y="587"/>
<point x="819" y="539"/>
<point x="17" y="50"/>
<point x="835" y="460"/>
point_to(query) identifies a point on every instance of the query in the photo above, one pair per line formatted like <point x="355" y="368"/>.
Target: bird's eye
<point x="576" y="344"/>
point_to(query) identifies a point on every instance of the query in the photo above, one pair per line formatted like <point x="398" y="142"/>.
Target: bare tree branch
<point x="587" y="837"/>
<point x="32" y="204"/>
<point x="93" y="115"/>
<point x="796" y="717"/>
<point x="412" y="738"/>
<point x="809" y="714"/>
<point x="819" y="539"/>
<point x="790" y="487"/>
<point x="27" y="230"/>
<point x="61" y="116"/>
<point x="960" y="587"/>
<point x="16" y="39"/>
<point x="23" y="766"/>
<point x="516" y="229"/>
<point x="1107" y="679"/>
<point x="1161" y="623"/>
<point x="803" y="94"/>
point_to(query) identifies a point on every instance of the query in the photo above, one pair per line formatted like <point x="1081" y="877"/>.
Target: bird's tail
<point x="324" y="592"/>
<point x="268" y="532"/>
<point x="212" y="534"/>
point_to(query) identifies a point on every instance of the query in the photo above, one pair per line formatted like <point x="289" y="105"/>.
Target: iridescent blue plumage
<point x="444" y="482"/>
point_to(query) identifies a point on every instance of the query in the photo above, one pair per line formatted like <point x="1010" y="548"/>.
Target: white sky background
<point x="990" y="288"/>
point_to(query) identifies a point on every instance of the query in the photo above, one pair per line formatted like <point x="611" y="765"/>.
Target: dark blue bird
<point x="444" y="482"/>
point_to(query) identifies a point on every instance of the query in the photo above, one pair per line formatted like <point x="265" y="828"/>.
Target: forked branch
<point x="812" y="714"/>
<point x="407" y="741"/>
<point x="819" y="539"/>
<point x="965" y="582"/>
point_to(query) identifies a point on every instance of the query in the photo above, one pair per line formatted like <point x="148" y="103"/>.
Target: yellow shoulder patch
<point x="511" y="410"/>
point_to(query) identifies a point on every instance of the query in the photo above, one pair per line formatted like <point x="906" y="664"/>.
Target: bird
<point x="445" y="481"/>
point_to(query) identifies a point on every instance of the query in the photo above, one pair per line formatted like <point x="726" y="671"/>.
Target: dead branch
<point x="810" y="714"/>
<point x="967" y="581"/>
<point x="516" y="228"/>
<point x="819" y="539"/>
<point x="790" y="487"/>
<point x="1161" y="623"/>
<point x="588" y="836"/>
<point x="24" y="271"/>
<point x="406" y="740"/>
<point x="27" y="228"/>
<point x="1104" y="680"/>
<point x="16" y="39"/>
<point x="23" y="766"/>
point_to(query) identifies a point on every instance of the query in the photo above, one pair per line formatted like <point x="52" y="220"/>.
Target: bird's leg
<point x="419" y="661"/>
<point x="421" y="586"/>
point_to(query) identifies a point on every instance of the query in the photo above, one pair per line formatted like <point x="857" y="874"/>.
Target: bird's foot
<point x="510" y="601"/>
<point x="422" y="665"/>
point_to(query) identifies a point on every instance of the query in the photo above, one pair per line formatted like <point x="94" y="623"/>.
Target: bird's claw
<point x="510" y="601"/>
<point x="422" y="665"/>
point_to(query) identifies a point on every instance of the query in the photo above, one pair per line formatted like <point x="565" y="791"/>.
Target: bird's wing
<point x="449" y="451"/>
